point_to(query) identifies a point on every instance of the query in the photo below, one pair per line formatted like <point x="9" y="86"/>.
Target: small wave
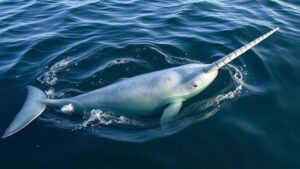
<point x="238" y="81"/>
<point x="75" y="4"/>
<point x="98" y="118"/>
<point x="174" y="59"/>
<point x="203" y="109"/>
<point x="124" y="61"/>
<point x="50" y="76"/>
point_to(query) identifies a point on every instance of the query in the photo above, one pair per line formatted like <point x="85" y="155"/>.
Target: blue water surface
<point x="248" y="118"/>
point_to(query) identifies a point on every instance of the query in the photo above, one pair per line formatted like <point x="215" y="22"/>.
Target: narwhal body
<point x="141" y="95"/>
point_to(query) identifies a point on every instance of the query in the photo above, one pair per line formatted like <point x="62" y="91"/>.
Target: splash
<point x="50" y="77"/>
<point x="67" y="109"/>
<point x="238" y="82"/>
<point x="98" y="118"/>
<point x="51" y="93"/>
<point x="214" y="103"/>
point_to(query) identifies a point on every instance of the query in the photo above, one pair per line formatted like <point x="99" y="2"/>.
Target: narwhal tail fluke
<point x="228" y="58"/>
<point x="32" y="108"/>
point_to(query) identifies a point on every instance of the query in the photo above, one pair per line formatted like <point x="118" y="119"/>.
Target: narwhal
<point x="140" y="95"/>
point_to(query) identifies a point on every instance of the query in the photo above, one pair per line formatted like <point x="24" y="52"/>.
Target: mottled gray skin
<point x="142" y="95"/>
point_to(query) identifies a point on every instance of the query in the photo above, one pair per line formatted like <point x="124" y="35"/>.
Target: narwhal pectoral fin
<point x="170" y="112"/>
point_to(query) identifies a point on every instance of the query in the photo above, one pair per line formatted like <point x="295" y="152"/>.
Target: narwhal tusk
<point x="228" y="58"/>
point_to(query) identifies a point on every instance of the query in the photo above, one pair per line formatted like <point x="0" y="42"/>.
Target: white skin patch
<point x="68" y="108"/>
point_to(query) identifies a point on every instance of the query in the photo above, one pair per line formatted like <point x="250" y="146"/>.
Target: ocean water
<point x="248" y="118"/>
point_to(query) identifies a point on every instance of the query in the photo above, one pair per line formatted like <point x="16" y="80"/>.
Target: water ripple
<point x="71" y="47"/>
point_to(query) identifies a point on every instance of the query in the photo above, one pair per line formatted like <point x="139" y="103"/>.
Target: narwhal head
<point x="196" y="77"/>
<point x="189" y="80"/>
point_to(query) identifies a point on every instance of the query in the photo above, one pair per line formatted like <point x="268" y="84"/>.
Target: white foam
<point x="238" y="80"/>
<point x="51" y="93"/>
<point x="98" y="117"/>
<point x="68" y="108"/>
<point x="50" y="77"/>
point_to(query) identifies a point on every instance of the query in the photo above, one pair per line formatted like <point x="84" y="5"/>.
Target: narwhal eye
<point x="194" y="85"/>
